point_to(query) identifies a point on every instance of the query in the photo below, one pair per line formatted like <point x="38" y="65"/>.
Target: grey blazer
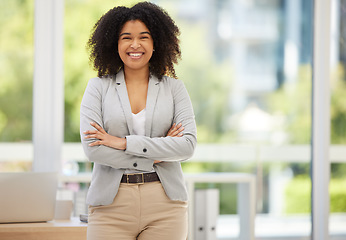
<point x="106" y="102"/>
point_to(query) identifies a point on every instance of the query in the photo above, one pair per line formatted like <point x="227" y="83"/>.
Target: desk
<point x="53" y="230"/>
<point x="246" y="199"/>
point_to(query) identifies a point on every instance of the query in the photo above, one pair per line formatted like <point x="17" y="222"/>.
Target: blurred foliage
<point x="338" y="106"/>
<point x="337" y="195"/>
<point x="16" y="69"/>
<point x="293" y="100"/>
<point x="298" y="195"/>
<point x="208" y="84"/>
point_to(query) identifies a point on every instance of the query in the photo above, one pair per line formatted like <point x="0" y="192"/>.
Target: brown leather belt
<point x="140" y="178"/>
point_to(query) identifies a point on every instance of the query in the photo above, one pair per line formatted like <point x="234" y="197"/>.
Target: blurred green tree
<point x="16" y="69"/>
<point x="293" y="100"/>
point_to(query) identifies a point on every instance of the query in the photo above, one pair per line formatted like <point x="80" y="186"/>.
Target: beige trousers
<point x="139" y="212"/>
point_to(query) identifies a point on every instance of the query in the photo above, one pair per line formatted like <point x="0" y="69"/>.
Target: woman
<point x="137" y="125"/>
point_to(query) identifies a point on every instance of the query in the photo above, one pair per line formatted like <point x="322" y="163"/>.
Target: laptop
<point x="27" y="196"/>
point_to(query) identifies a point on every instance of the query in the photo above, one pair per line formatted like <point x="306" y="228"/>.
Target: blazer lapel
<point x="124" y="99"/>
<point x="153" y="90"/>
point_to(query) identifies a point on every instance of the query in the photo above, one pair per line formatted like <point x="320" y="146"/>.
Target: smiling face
<point x="135" y="45"/>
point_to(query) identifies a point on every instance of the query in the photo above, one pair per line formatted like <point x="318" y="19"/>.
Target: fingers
<point x="95" y="136"/>
<point x="92" y="136"/>
<point x="95" y="125"/>
<point x="96" y="143"/>
<point x="98" y="134"/>
<point x="176" y="130"/>
<point x="91" y="133"/>
<point x="171" y="129"/>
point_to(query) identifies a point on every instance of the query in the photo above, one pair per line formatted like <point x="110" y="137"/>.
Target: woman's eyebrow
<point x="125" y="33"/>
<point x="145" y="33"/>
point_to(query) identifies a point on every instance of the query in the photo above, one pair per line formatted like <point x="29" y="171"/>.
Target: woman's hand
<point x="174" y="131"/>
<point x="104" y="138"/>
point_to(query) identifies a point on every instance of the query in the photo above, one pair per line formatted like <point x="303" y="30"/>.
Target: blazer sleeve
<point x="169" y="148"/>
<point x="91" y="111"/>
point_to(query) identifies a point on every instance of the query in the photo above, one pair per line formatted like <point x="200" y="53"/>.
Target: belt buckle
<point x="127" y="178"/>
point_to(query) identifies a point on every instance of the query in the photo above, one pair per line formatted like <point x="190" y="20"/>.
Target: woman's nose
<point x="135" y="44"/>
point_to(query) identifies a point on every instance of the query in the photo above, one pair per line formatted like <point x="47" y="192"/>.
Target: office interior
<point x="266" y="79"/>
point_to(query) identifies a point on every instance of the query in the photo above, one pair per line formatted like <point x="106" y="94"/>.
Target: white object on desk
<point x="207" y="211"/>
<point x="27" y="196"/>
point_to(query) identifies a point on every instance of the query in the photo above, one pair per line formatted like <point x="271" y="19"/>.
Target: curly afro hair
<point x="103" y="42"/>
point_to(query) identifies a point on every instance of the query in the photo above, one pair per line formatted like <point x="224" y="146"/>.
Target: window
<point x="16" y="74"/>
<point x="337" y="184"/>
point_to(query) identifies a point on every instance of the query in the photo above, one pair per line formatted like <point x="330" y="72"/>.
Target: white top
<point x="139" y="123"/>
<point x="138" y="120"/>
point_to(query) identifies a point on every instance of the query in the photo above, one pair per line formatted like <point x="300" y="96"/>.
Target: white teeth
<point x="135" y="54"/>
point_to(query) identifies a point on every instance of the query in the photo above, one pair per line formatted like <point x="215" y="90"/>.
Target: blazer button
<point x="135" y="164"/>
<point x="144" y="150"/>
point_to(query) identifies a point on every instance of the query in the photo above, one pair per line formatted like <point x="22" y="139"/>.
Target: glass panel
<point x="337" y="186"/>
<point x="16" y="74"/>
